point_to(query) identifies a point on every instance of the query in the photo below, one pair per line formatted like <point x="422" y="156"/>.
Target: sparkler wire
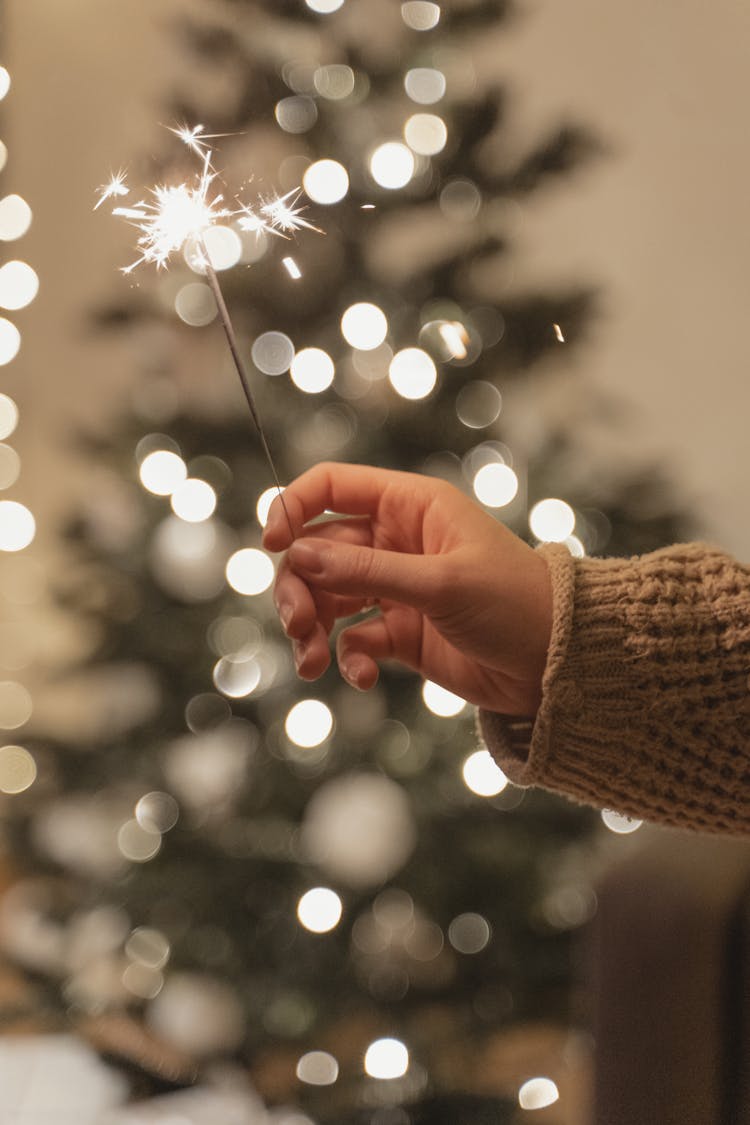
<point x="226" y="321"/>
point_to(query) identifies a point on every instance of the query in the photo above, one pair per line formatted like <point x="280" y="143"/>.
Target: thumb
<point x="343" y="568"/>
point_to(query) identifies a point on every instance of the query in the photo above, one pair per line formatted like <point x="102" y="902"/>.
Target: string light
<point x="319" y="910"/>
<point x="538" y="1093"/>
<point x="482" y="775"/>
<point x="387" y="1058"/>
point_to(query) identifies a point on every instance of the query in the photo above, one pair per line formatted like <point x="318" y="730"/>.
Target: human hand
<point x="463" y="601"/>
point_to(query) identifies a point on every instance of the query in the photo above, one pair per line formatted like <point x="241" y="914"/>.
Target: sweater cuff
<point x="520" y="744"/>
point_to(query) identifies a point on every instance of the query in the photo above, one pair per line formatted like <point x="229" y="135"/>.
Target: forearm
<point x="646" y="697"/>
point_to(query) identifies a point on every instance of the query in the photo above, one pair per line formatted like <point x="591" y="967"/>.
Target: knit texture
<point x="646" y="694"/>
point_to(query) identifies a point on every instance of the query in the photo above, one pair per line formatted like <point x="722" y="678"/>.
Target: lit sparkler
<point x="176" y="217"/>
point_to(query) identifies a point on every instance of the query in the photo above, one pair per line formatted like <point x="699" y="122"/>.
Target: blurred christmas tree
<point x="301" y="877"/>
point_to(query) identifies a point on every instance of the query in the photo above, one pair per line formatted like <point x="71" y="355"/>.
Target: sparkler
<point x="178" y="217"/>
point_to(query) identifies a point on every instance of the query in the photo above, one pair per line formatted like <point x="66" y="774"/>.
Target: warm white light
<point x="392" y="165"/>
<point x="312" y="370"/>
<point x="136" y="843"/>
<point x="3" y="155"/>
<point x="538" y="1093"/>
<point x="441" y="701"/>
<point x="236" y="678"/>
<point x="386" y="1058"/>
<point x="10" y="466"/>
<point x="335" y="81"/>
<point x="426" y="134"/>
<point x="326" y="181"/>
<point x="482" y="775"/>
<point x="309" y="723"/>
<point x="16" y="705"/>
<point x="193" y="500"/>
<point x="272" y="353"/>
<point x="8" y="416"/>
<point x="195" y="304"/>
<point x="10" y="341"/>
<point x="552" y="521"/>
<point x="455" y="337"/>
<point x="420" y="15"/>
<point x="495" y="485"/>
<point x="19" y="285"/>
<point x="291" y="268"/>
<point x="265" y="500"/>
<point x="469" y="933"/>
<point x="317" y="1068"/>
<point x="162" y="471"/>
<point x="424" y="85"/>
<point x="364" y="326"/>
<point x="575" y="546"/>
<point x="619" y="823"/>
<point x="4" y="82"/>
<point x="324" y="6"/>
<point x="17" y="526"/>
<point x="15" y="218"/>
<point x="249" y="571"/>
<point x="17" y="769"/>
<point x="412" y="373"/>
<point x="224" y="247"/>
<point x="319" y="910"/>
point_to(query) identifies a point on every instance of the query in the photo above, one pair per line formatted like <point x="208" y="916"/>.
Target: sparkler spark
<point x="177" y="216"/>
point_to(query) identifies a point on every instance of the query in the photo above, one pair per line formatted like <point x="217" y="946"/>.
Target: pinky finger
<point x="359" y="648"/>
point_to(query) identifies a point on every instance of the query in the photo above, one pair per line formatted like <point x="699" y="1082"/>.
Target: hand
<point x="463" y="601"/>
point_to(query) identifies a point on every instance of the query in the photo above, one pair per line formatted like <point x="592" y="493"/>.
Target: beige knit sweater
<point x="646" y="693"/>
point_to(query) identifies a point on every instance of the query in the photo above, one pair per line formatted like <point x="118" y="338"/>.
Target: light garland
<point x="18" y="288"/>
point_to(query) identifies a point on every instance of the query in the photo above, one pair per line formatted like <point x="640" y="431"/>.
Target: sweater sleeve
<point x="646" y="693"/>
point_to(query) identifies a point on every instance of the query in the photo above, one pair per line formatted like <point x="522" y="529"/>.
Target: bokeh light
<point x="136" y="843"/>
<point x="249" y="571"/>
<point x="15" y="218"/>
<point x="148" y="946"/>
<point x="317" y="1068"/>
<point x="312" y="370"/>
<point x="224" y="247"/>
<point x="412" y="373"/>
<point x="265" y="500"/>
<point x="552" y="520"/>
<point x="335" y="81"/>
<point x="272" y="353"/>
<point x="17" y="769"/>
<point x="469" y="933"/>
<point x="482" y="774"/>
<point x="237" y="678"/>
<point x="387" y="1058"/>
<point x="4" y="82"/>
<point x="296" y="114"/>
<point x="10" y="466"/>
<point x="193" y="500"/>
<point x="309" y="723"/>
<point x="157" y="811"/>
<point x="538" y="1093"/>
<point x="420" y="15"/>
<point x="319" y="910"/>
<point x="8" y="416"/>
<point x="3" y="155"/>
<point x="392" y="165"/>
<point x="195" y="304"/>
<point x="326" y="181"/>
<point x="441" y="701"/>
<point x="16" y="705"/>
<point x="424" y="85"/>
<point x="162" y="471"/>
<point x="19" y="285"/>
<point x="426" y="134"/>
<point x="10" y="341"/>
<point x="460" y="200"/>
<point x="619" y="823"/>
<point x="17" y="526"/>
<point x="495" y="485"/>
<point x="324" y="7"/>
<point x="478" y="404"/>
<point x="364" y="326"/>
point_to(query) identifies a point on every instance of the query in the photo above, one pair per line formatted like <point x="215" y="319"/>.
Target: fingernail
<point x="286" y="613"/>
<point x="306" y="557"/>
<point x="300" y="652"/>
<point x="352" y="672"/>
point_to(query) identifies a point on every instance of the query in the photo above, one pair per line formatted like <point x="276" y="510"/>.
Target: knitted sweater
<point x="646" y="694"/>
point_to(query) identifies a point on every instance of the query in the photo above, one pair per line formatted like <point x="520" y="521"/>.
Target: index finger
<point x="354" y="490"/>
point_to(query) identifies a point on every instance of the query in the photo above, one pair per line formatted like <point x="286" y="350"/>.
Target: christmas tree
<point x="338" y="891"/>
